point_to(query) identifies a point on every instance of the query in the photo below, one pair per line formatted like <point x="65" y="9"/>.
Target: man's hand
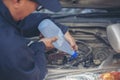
<point x="48" y="42"/>
<point x="71" y="41"/>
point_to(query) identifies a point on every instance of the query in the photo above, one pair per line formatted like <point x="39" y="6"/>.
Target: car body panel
<point x="91" y="3"/>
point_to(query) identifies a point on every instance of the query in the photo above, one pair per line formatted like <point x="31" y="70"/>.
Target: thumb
<point x="53" y="39"/>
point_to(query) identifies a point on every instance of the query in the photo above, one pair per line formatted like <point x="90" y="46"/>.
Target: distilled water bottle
<point x="49" y="29"/>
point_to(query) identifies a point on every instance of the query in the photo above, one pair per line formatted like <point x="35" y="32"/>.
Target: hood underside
<point x="91" y="3"/>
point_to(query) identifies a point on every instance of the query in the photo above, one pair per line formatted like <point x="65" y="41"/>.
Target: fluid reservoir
<point x="113" y="33"/>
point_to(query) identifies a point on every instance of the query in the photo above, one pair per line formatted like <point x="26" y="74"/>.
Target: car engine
<point x="89" y="31"/>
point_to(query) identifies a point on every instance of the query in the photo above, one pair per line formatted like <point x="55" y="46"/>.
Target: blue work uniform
<point x="17" y="60"/>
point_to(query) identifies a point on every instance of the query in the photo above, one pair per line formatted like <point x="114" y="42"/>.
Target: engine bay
<point x="94" y="47"/>
<point x="90" y="35"/>
<point x="89" y="29"/>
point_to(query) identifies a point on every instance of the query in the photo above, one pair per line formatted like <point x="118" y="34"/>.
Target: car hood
<point x="91" y="3"/>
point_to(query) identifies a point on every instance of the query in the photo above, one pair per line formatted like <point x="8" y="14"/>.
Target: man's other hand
<point x="48" y="42"/>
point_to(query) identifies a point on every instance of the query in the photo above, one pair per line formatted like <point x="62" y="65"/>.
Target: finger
<point x="76" y="47"/>
<point x="51" y="47"/>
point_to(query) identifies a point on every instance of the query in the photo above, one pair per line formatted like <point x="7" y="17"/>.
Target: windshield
<point x="67" y="11"/>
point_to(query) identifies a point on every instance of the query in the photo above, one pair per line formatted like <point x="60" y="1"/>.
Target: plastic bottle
<point x="49" y="29"/>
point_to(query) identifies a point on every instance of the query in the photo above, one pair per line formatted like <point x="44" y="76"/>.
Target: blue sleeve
<point x="29" y="26"/>
<point x="62" y="27"/>
<point x="24" y="64"/>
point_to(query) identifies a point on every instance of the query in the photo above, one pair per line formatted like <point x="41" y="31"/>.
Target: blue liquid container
<point x="50" y="29"/>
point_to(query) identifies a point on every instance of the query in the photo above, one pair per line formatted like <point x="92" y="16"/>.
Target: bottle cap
<point x="74" y="56"/>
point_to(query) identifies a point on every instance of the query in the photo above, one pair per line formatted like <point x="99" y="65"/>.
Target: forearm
<point x="71" y="41"/>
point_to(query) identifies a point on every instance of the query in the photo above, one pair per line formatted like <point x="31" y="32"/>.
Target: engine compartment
<point x="94" y="48"/>
<point x="90" y="35"/>
<point x="89" y="28"/>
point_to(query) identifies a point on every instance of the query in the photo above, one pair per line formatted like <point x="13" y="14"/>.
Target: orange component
<point x="107" y="76"/>
<point x="110" y="76"/>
